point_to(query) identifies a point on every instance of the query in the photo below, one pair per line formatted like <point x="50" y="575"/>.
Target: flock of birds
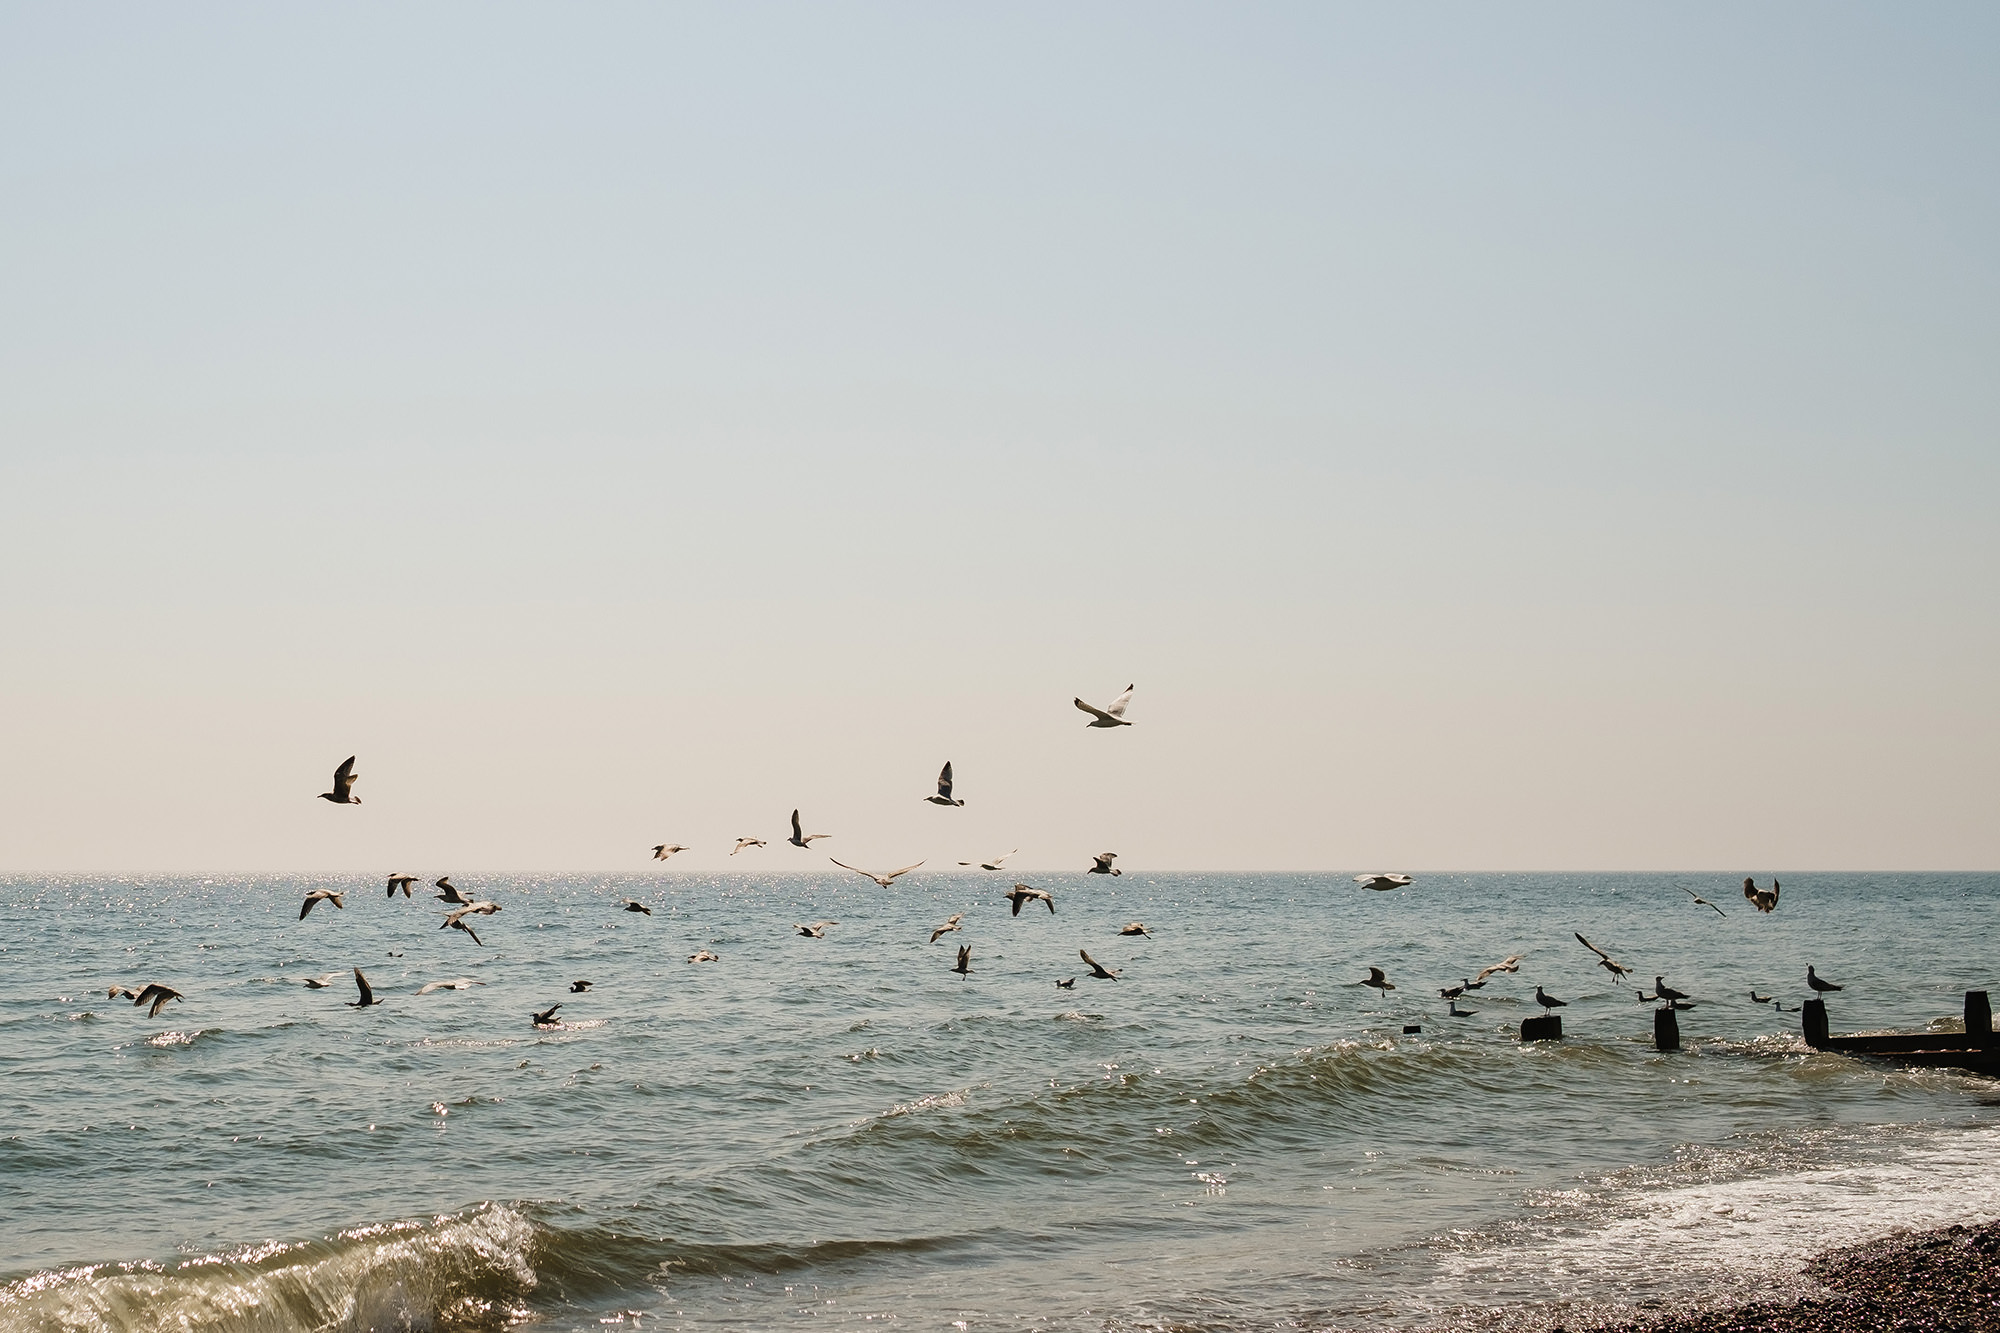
<point x="459" y="908"/>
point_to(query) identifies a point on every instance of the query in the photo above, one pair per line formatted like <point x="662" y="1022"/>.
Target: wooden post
<point x="1978" y="1018"/>
<point x="1812" y="1020"/>
<point x="1666" y="1029"/>
<point x="1549" y="1027"/>
<point x="1412" y="1029"/>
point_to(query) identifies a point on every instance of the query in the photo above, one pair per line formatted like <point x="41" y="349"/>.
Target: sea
<point x="846" y="1133"/>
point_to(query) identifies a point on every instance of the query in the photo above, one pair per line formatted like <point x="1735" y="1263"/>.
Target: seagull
<point x="884" y="880"/>
<point x="1617" y="969"/>
<point x="741" y="843"/>
<point x="1511" y="963"/>
<point x="402" y="882"/>
<point x="1467" y="983"/>
<point x="461" y="983"/>
<point x="321" y="983"/>
<point x="313" y="898"/>
<point x="456" y="921"/>
<point x="450" y="893"/>
<point x="667" y="849"/>
<point x="634" y="905"/>
<point x="1135" y="928"/>
<point x="950" y="924"/>
<point x="943" y="796"/>
<point x="1783" y="1008"/>
<point x="1662" y="991"/>
<point x="1765" y="900"/>
<point x="1113" y="716"/>
<point x="1698" y="898"/>
<point x="578" y="987"/>
<point x="817" y="929"/>
<point x="1548" y="1001"/>
<point x="1021" y="893"/>
<point x="800" y="838"/>
<point x="1818" y="982"/>
<point x="367" y="995"/>
<point x="343" y="785"/>
<point x="964" y="965"/>
<point x="480" y="908"/>
<point x="704" y="956"/>
<point x="1067" y="983"/>
<point x="1097" y="969"/>
<point x="1378" y="980"/>
<point x="1456" y="1012"/>
<point x="1102" y="864"/>
<point x="547" y="1017"/>
<point x="1452" y="992"/>
<point x="993" y="864"/>
<point x="155" y="992"/>
<point x="1382" y="882"/>
<point x="1760" y="999"/>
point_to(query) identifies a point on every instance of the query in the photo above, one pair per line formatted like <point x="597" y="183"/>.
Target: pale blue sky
<point x="1553" y="436"/>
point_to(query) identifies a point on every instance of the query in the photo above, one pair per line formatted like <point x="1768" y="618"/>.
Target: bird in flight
<point x="1097" y="969"/>
<point x="1021" y="893"/>
<point x="634" y="905"/>
<point x="800" y="838"/>
<point x="1135" y="928"/>
<point x="666" y="849"/>
<point x="1703" y="901"/>
<point x="1101" y="864"/>
<point x="343" y="785"/>
<point x="321" y="982"/>
<point x="578" y="987"/>
<point x="884" y="880"/>
<point x="1819" y="983"/>
<point x="367" y="995"/>
<point x="1617" y="969"/>
<point x="994" y="864"/>
<point x="1379" y="980"/>
<point x="741" y="843"/>
<point x="817" y="929"/>
<point x="1511" y="963"/>
<point x="950" y="924"/>
<point x="154" y="993"/>
<point x="402" y="882"/>
<point x="448" y="892"/>
<point x="964" y="965"/>
<point x="1383" y="882"/>
<point x="456" y="921"/>
<point x="460" y="983"/>
<point x="943" y="796"/>
<point x="1764" y="900"/>
<point x="314" y="898"/>
<point x="547" y="1017"/>
<point x="1548" y="1001"/>
<point x="1113" y="716"/>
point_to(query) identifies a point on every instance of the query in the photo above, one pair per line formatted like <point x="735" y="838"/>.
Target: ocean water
<point x="844" y="1133"/>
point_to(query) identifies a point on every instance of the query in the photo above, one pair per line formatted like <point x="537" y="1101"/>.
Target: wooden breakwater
<point x="1972" y="1049"/>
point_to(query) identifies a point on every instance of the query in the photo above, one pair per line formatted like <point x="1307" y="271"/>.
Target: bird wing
<point x="1017" y="898"/>
<point x="797" y="832"/>
<point x="856" y="869"/>
<point x="367" y="995"/>
<point x="344" y="776"/>
<point x="944" y="780"/>
<point x="335" y="899"/>
<point x="1050" y="899"/>
<point x="468" y="930"/>
<point x="161" y="994"/>
<point x="1095" y="712"/>
<point x="904" y="871"/>
<point x="307" y="905"/>
<point x="1118" y="705"/>
<point x="1592" y="947"/>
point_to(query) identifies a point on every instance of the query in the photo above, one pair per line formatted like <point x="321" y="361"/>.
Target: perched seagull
<point x="1067" y="983"/>
<point x="1548" y="1001"/>
<point x="367" y="995"/>
<point x="1819" y="983"/>
<point x="402" y="882"/>
<point x="800" y="838"/>
<point x="1378" y="980"/>
<point x="448" y="892"/>
<point x="1135" y="928"/>
<point x="1759" y="999"/>
<point x="667" y="849"/>
<point x="1097" y="969"/>
<point x="741" y="843"/>
<point x="950" y="924"/>
<point x="316" y="896"/>
<point x="1380" y="882"/>
<point x="1113" y="716"/>
<point x="1703" y="901"/>
<point x="1456" y="1012"/>
<point x="1101" y="864"/>
<point x="456" y="921"/>
<point x="1673" y="998"/>
<point x="964" y="965"/>
<point x="321" y="983"/>
<point x="884" y="880"/>
<point x="343" y="785"/>
<point x="817" y="929"/>
<point x="943" y="796"/>
<point x="578" y="987"/>
<point x="1765" y="900"/>
<point x="1617" y="969"/>
<point x="1021" y="893"/>
<point x="157" y="994"/>
<point x="993" y="864"/>
<point x="547" y="1017"/>
<point x="1511" y="963"/>
<point x="704" y="956"/>
<point x="634" y="905"/>
<point x="461" y="983"/>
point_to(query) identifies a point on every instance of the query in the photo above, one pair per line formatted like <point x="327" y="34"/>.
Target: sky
<point x="1489" y="437"/>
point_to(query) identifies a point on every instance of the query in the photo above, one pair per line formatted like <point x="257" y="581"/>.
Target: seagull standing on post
<point x="1113" y="716"/>
<point x="1819" y="983"/>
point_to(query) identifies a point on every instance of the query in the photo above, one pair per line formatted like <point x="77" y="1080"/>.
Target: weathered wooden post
<point x="1666" y="1029"/>
<point x="1812" y="1019"/>
<point x="1978" y="1018"/>
<point x="1547" y="1027"/>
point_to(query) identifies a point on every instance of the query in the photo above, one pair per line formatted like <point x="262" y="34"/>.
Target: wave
<point x="469" y="1271"/>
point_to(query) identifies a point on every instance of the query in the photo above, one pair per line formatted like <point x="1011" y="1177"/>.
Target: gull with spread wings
<point x="343" y="785"/>
<point x="1617" y="969"/>
<point x="943" y="796"/>
<point x="1113" y="716"/>
<point x="884" y="880"/>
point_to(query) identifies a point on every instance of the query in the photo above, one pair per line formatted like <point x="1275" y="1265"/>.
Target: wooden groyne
<point x="1972" y="1049"/>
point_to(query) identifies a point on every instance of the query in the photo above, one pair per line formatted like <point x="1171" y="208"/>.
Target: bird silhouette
<point x="547" y="1017"/>
<point x="402" y="882"/>
<point x="1097" y="969"/>
<point x="1764" y="900"/>
<point x="318" y="896"/>
<point x="964" y="965"/>
<point x="367" y="995"/>
<point x="1703" y="901"/>
<point x="344" y="778"/>
<point x="1617" y="970"/>
<point x="1383" y="882"/>
<point x="800" y="838"/>
<point x="1378" y="979"/>
<point x="1101" y="864"/>
<point x="950" y="924"/>
<point x="884" y="880"/>
<point x="634" y="905"/>
<point x="943" y="796"/>
<point x="1548" y="1001"/>
<point x="1022" y="893"/>
<point x="666" y="849"/>
<point x="1819" y="983"/>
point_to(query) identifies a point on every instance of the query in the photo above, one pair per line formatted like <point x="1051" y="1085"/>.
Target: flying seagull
<point x="667" y="849"/>
<point x="547" y="1017"/>
<point x="402" y="882"/>
<point x="367" y="995"/>
<point x="741" y="843"/>
<point x="313" y="899"/>
<point x="943" y="796"/>
<point x="1548" y="1001"/>
<point x="1617" y="969"/>
<point x="1764" y="900"/>
<point x="817" y="929"/>
<point x="1101" y="864"/>
<point x="1135" y="928"/>
<point x="1097" y="969"/>
<point x="800" y="838"/>
<point x="634" y="905"/>
<point x="1113" y="716"/>
<point x="1382" y="882"/>
<point x="950" y="924"/>
<point x="1511" y="963"/>
<point x="884" y="880"/>
<point x="1378" y="979"/>
<point x="578" y="987"/>
<point x="157" y="994"/>
<point x="459" y="983"/>
<point x="1021" y="893"/>
<point x="1818" y="982"/>
<point x="1703" y="901"/>
<point x="343" y="785"/>
<point x="994" y="864"/>
<point x="321" y="982"/>
<point x="964" y="965"/>
<point x="448" y="892"/>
